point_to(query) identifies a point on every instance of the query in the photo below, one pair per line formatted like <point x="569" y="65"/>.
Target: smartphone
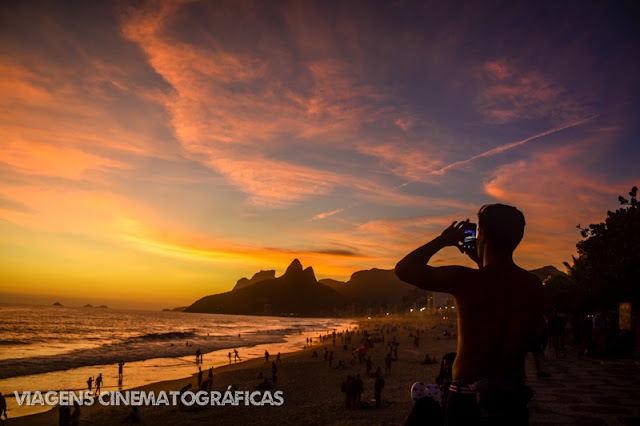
<point x="469" y="242"/>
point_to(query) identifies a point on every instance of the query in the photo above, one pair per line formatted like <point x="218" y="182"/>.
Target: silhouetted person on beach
<point x="266" y="356"/>
<point x="278" y="360"/>
<point x="181" y="392"/>
<point x="120" y="374"/>
<point x="387" y="363"/>
<point x="538" y="347"/>
<point x="377" y="390"/>
<point x="499" y="305"/>
<point x="64" y="415"/>
<point x="236" y="357"/>
<point x="557" y="326"/>
<point x="134" y="416"/>
<point x="3" y="408"/>
<point x="208" y="384"/>
<point x="199" y="375"/>
<point x="598" y="334"/>
<point x="98" y="383"/>
<point x="359" y="388"/>
<point x="229" y="357"/>
<point x="198" y="355"/>
<point x="89" y="383"/>
<point x="75" y="417"/>
<point x="348" y="387"/>
<point x="445" y="376"/>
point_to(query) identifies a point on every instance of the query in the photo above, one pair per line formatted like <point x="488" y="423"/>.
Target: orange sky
<point x="154" y="154"/>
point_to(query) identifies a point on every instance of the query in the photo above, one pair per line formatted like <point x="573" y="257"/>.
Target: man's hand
<point x="454" y="234"/>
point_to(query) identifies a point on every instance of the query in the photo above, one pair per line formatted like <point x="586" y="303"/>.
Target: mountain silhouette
<point x="297" y="292"/>
<point x="257" y="277"/>
<point x="373" y="286"/>
<point x="546" y="272"/>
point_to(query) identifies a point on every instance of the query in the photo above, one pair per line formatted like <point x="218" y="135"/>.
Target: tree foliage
<point x="608" y="266"/>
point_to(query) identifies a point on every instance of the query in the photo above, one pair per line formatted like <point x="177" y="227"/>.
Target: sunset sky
<point x="152" y="153"/>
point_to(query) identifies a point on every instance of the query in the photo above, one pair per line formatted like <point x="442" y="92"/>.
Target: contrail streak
<point x="503" y="148"/>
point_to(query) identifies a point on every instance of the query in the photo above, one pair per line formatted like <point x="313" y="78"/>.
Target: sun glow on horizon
<point x="157" y="153"/>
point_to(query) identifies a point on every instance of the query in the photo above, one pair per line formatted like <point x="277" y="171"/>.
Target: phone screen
<point x="469" y="242"/>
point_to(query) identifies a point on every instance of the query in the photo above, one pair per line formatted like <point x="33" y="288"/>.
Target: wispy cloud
<point x="326" y="214"/>
<point x="510" y="94"/>
<point x="48" y="160"/>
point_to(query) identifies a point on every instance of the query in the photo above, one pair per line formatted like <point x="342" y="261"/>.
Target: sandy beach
<point x="311" y="389"/>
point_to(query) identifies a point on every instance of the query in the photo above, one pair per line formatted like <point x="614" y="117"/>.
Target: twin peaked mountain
<point x="298" y="293"/>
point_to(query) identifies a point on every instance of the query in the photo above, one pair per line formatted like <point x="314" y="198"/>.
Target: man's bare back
<point x="498" y="314"/>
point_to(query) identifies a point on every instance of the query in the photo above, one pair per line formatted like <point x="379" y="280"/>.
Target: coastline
<point x="148" y="371"/>
<point x="581" y="390"/>
<point x="311" y="390"/>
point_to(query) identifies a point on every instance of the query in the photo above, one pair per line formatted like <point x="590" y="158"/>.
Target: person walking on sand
<point x="64" y="415"/>
<point x="266" y="356"/>
<point x="236" y="357"/>
<point x="278" y="360"/>
<point x="89" y="383"/>
<point x="199" y="375"/>
<point x="229" y="357"/>
<point x="98" y="383"/>
<point x="359" y="388"/>
<point x="499" y="306"/>
<point x="3" y="408"/>
<point x="75" y="417"/>
<point x="377" y="390"/>
<point x="387" y="363"/>
<point x="120" y="375"/>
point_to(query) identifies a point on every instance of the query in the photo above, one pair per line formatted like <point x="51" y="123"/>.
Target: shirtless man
<point x="499" y="306"/>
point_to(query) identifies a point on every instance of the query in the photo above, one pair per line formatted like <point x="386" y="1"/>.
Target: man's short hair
<point x="502" y="226"/>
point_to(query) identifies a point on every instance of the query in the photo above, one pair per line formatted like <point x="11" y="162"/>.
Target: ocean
<point x="54" y="348"/>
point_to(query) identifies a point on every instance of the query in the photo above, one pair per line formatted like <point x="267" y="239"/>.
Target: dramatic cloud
<point x="184" y="144"/>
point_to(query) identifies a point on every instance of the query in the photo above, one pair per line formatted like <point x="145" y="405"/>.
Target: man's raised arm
<point x="414" y="270"/>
